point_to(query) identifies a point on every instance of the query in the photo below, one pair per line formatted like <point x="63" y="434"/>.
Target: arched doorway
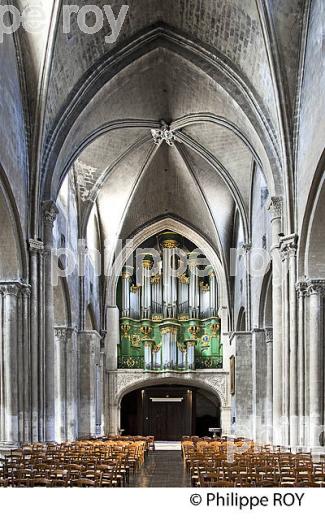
<point x="169" y="411"/>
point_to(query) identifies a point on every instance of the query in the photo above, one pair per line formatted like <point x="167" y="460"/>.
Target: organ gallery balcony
<point x="170" y="344"/>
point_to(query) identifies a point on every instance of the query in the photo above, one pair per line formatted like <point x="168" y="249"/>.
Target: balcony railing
<point x="201" y="363"/>
<point x="205" y="362"/>
<point x="129" y="362"/>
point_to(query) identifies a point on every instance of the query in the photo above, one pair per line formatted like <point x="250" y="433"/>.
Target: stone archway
<point x="123" y="382"/>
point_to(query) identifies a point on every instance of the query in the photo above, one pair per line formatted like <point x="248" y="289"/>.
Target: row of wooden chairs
<point x="86" y="463"/>
<point x="242" y="463"/>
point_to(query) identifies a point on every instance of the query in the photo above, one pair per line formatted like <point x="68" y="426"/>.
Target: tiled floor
<point x="162" y="469"/>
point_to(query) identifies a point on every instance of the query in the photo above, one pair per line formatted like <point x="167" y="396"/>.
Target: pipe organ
<point x="169" y="320"/>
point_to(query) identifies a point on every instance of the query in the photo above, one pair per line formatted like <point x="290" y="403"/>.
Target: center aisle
<point x="162" y="469"/>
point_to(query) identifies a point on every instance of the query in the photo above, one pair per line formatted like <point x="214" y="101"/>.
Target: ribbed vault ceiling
<point x="222" y="73"/>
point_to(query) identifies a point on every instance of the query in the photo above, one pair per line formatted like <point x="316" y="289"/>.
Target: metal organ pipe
<point x="147" y="264"/>
<point x="126" y="278"/>
<point x="169" y="278"/>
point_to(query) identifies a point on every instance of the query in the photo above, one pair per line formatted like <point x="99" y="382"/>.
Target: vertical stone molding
<point x="247" y="260"/>
<point x="316" y="293"/>
<point x="269" y="383"/>
<point x="26" y="362"/>
<point x="285" y="323"/>
<point x="276" y="221"/>
<point x="15" y="405"/>
<point x="241" y="343"/>
<point x="112" y="338"/>
<point x="65" y="385"/>
<point x="288" y="246"/>
<point x="50" y="212"/>
<point x="259" y="376"/>
<point x="301" y="288"/>
<point x="89" y="359"/>
<point x="36" y="248"/>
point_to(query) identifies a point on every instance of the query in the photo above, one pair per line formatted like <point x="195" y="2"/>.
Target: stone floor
<point x="162" y="469"/>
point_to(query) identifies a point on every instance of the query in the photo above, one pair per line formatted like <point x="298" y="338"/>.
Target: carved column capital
<point x="35" y="246"/>
<point x="275" y="207"/>
<point x="316" y="287"/>
<point x="50" y="212"/>
<point x="288" y="246"/>
<point x="26" y="291"/>
<point x="246" y="248"/>
<point x="10" y="288"/>
<point x="269" y="335"/>
<point x="63" y="333"/>
<point x="60" y="332"/>
<point x="301" y="288"/>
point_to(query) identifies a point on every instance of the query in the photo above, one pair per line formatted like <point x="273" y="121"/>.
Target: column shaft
<point x="315" y="364"/>
<point x="276" y="209"/>
<point x="50" y="212"/>
<point x="269" y="383"/>
<point x="301" y="362"/>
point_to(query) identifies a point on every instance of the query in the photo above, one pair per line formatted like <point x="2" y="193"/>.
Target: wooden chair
<point x="40" y="482"/>
<point x="82" y="482"/>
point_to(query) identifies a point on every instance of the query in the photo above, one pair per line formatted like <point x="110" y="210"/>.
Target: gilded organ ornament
<point x="194" y="331"/>
<point x="135" y="341"/>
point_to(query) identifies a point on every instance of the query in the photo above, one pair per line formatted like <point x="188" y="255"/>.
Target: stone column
<point x="2" y="396"/>
<point x="242" y="345"/>
<point x="111" y="423"/>
<point x="276" y="214"/>
<point x="102" y="381"/>
<point x="269" y="383"/>
<point x="36" y="264"/>
<point x="293" y="361"/>
<point x="71" y="384"/>
<point x="226" y="420"/>
<point x="289" y="329"/>
<point x="10" y="434"/>
<point x="112" y="338"/>
<point x="82" y="310"/>
<point x="301" y="290"/>
<point x="50" y="212"/>
<point x="89" y="347"/>
<point x="59" y="391"/>
<point x="247" y="250"/>
<point x="258" y="375"/>
<point x="26" y="360"/>
<point x="285" y="324"/>
<point x="316" y="290"/>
